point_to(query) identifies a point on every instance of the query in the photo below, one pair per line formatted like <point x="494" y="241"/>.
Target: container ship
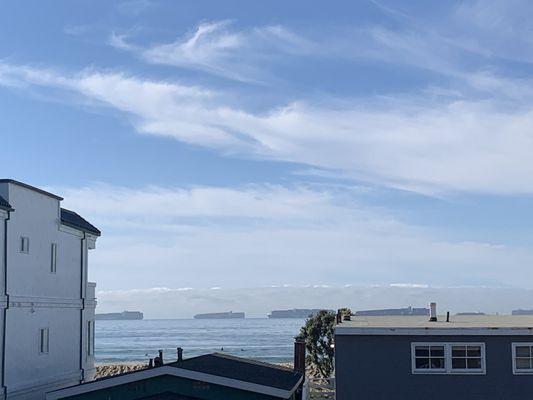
<point x="220" y="315"/>
<point x="294" y="313"/>
<point x="124" y="315"/>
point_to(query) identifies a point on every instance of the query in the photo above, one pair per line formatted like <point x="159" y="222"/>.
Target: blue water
<point x="268" y="340"/>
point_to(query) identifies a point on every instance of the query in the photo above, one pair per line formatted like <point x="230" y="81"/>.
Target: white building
<point x="46" y="303"/>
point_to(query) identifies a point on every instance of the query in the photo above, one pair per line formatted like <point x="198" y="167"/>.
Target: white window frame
<point x="516" y="371"/>
<point x="24" y="245"/>
<point x="53" y="258"/>
<point x="448" y="370"/>
<point x="44" y="346"/>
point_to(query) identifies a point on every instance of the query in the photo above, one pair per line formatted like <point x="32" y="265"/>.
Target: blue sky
<point x="242" y="144"/>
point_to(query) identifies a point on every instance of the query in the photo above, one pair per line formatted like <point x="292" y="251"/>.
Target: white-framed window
<point x="44" y="341"/>
<point x="448" y="358"/>
<point x="53" y="258"/>
<point x="24" y="244"/>
<point x="429" y="357"/>
<point x="90" y="338"/>
<point x="522" y="358"/>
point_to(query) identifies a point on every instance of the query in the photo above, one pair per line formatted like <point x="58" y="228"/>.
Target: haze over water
<point x="269" y="340"/>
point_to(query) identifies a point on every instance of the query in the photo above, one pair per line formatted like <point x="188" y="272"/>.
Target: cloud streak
<point x="218" y="48"/>
<point x="413" y="142"/>
<point x="206" y="237"/>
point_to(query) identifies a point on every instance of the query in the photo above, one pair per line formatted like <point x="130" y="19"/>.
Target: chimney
<point x="159" y="360"/>
<point x="299" y="356"/>
<point x="180" y="354"/>
<point x="433" y="312"/>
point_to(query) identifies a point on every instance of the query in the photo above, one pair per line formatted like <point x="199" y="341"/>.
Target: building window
<point x="90" y="338"/>
<point x="53" y="258"/>
<point x="24" y="244"/>
<point x="429" y="358"/>
<point x="523" y="358"/>
<point x="448" y="358"/>
<point x="467" y="358"/>
<point x="44" y="341"/>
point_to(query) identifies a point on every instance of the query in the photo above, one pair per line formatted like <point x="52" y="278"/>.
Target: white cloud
<point x="415" y="142"/>
<point x="218" y="48"/>
<point x="271" y="235"/>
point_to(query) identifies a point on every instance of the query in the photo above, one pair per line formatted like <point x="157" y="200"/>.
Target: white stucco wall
<point x="39" y="298"/>
<point x="36" y="216"/>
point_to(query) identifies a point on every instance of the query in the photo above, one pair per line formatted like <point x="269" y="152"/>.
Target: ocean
<point x="263" y="339"/>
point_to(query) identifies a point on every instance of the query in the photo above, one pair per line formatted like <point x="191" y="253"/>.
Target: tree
<point x="317" y="333"/>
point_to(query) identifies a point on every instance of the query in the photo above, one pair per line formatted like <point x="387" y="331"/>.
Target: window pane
<point x="422" y="351"/>
<point x="459" y="363"/>
<point x="437" y="351"/>
<point x="458" y="351"/>
<point x="474" y="351"/>
<point x="437" y="363"/>
<point x="422" y="363"/>
<point x="523" y="363"/>
<point x="523" y="351"/>
<point x="474" y="363"/>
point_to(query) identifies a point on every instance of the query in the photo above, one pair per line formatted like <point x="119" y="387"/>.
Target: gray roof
<point x="70" y="218"/>
<point x="221" y="365"/>
<point x="242" y="369"/>
<point x="4" y="204"/>
<point x="456" y="321"/>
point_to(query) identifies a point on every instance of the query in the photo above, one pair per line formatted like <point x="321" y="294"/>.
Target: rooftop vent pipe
<point x="158" y="361"/>
<point x="433" y="312"/>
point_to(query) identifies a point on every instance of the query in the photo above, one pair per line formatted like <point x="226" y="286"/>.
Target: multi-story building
<point x="46" y="303"/>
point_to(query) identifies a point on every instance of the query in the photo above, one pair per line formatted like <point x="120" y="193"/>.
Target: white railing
<point x="319" y="389"/>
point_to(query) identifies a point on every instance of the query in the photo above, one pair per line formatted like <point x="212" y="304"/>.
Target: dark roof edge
<point x="78" y="228"/>
<point x="81" y="224"/>
<point x="35" y="189"/>
<point x="4" y="205"/>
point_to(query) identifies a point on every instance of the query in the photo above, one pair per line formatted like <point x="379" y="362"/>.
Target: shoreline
<point x="104" y="370"/>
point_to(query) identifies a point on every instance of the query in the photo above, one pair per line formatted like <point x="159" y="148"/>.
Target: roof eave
<point x="95" y="233"/>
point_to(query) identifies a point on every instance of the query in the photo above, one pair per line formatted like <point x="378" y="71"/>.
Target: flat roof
<point x="459" y="324"/>
<point x="35" y="189"/>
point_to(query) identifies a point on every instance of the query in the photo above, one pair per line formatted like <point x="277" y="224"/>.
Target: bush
<point x="317" y="333"/>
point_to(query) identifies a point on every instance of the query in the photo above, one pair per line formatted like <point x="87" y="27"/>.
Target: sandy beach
<point x="104" y="370"/>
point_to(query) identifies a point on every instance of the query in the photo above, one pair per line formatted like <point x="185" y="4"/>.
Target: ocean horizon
<point x="136" y="341"/>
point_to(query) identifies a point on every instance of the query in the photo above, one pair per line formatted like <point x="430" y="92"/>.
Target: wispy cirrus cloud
<point x="416" y="142"/>
<point x="218" y="48"/>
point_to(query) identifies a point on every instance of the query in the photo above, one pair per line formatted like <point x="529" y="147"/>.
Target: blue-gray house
<point x="410" y="357"/>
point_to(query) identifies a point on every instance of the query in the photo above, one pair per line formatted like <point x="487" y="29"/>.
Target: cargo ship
<point x="295" y="313"/>
<point x="124" y="315"/>
<point x="393" y="311"/>
<point x="220" y="315"/>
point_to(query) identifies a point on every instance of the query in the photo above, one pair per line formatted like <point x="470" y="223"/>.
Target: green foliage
<point x="344" y="312"/>
<point x="317" y="333"/>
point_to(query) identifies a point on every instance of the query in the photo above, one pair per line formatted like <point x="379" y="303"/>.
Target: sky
<point x="237" y="144"/>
